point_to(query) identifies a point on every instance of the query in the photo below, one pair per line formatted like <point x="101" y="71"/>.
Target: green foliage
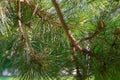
<point x="48" y="40"/>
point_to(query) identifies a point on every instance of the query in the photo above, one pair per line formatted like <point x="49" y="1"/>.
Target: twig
<point x="44" y="15"/>
<point x="88" y="38"/>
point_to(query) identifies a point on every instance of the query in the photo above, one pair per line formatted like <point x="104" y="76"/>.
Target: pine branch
<point x="66" y="28"/>
<point x="44" y="15"/>
<point x="20" y="29"/>
<point x="69" y="34"/>
<point x="33" y="56"/>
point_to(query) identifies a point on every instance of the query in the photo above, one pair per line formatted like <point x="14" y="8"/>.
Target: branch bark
<point x="20" y="29"/>
<point x="70" y="36"/>
<point x="33" y="56"/>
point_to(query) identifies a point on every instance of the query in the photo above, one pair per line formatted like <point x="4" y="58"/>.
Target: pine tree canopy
<point x="50" y="39"/>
